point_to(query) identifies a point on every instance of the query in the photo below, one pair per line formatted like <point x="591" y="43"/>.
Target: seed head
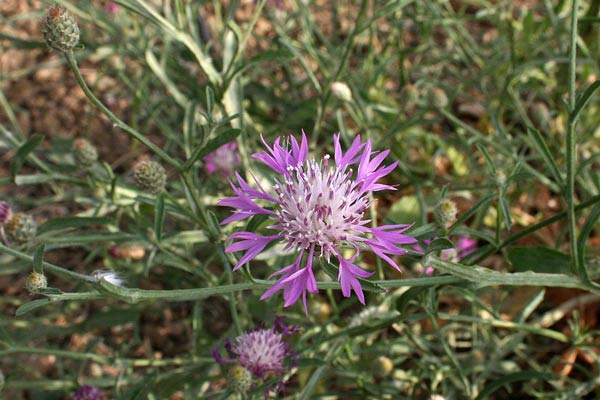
<point x="84" y="153"/>
<point x="445" y="212"/>
<point x="239" y="379"/>
<point x="438" y="98"/>
<point x="60" y="30"/>
<point x="382" y="367"/>
<point x="36" y="282"/>
<point x="150" y="176"/>
<point x="20" y="228"/>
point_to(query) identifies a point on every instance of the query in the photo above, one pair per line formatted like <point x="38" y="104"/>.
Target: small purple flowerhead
<point x="318" y="209"/>
<point x="5" y="212"/>
<point x="112" y="8"/>
<point x="223" y="160"/>
<point x="87" y="392"/>
<point x="262" y="352"/>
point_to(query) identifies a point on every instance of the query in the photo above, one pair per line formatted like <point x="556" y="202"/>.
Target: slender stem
<point x="132" y="132"/>
<point x="47" y="266"/>
<point x="570" y="143"/>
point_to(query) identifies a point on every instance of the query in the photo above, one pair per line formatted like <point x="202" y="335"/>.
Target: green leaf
<point x="280" y="55"/>
<point x="582" y="101"/>
<point x="32" y="305"/>
<point x="406" y="297"/>
<point x="38" y="259"/>
<point x="511" y="378"/>
<point x="486" y="156"/>
<point x="61" y="223"/>
<point x="505" y="212"/>
<point x="213" y="144"/>
<point x="438" y="245"/>
<point x="159" y="216"/>
<point x="539" y="259"/>
<point x="23" y="152"/>
<point x="541" y="147"/>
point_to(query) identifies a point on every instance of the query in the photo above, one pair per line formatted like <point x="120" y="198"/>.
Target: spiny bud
<point x="20" y="228"/>
<point x="60" y="29"/>
<point x="35" y="282"/>
<point x="84" y="153"/>
<point x="382" y="367"/>
<point x="150" y="176"/>
<point x="5" y="212"/>
<point x="239" y="379"/>
<point x="438" y="98"/>
<point x="445" y="212"/>
<point x="341" y="91"/>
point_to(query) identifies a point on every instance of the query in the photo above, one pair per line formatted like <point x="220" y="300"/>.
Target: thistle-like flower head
<point x="263" y="352"/>
<point x="319" y="209"/>
<point x="223" y="160"/>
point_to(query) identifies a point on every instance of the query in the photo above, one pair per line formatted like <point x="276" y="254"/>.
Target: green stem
<point x="47" y="266"/>
<point x="135" y="134"/>
<point x="571" y="143"/>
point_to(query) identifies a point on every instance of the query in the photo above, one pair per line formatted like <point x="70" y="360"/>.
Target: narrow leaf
<point x="582" y="101"/>
<point x="23" y="152"/>
<point x="159" y="216"/>
<point x="486" y="156"/>
<point x="506" y="212"/>
<point x="32" y="305"/>
<point x="61" y="223"/>
<point x="541" y="147"/>
<point x="38" y="259"/>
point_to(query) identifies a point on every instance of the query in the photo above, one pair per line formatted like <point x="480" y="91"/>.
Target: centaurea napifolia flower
<point x="263" y="352"/>
<point x="318" y="209"/>
<point x="223" y="160"/>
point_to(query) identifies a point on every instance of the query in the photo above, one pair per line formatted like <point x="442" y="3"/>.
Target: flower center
<point x="320" y="206"/>
<point x="261" y="351"/>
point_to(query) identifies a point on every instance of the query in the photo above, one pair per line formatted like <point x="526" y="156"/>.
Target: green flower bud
<point x="20" y="228"/>
<point x="60" y="29"/>
<point x="150" y="176"/>
<point x="239" y="379"/>
<point x="382" y="367"/>
<point x="84" y="153"/>
<point x="445" y="212"/>
<point x="438" y="98"/>
<point x="35" y="282"/>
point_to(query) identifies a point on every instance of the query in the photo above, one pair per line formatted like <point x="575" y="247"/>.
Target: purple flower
<point x="112" y="8"/>
<point x="223" y="160"/>
<point x="87" y="392"/>
<point x="5" y="212"/>
<point x="318" y="209"/>
<point x="261" y="351"/>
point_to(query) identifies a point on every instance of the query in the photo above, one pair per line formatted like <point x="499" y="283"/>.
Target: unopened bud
<point x="5" y="212"/>
<point x="150" y="176"/>
<point x="60" y="29"/>
<point x="445" y="212"/>
<point x="35" y="282"/>
<point x="382" y="367"/>
<point x="341" y="91"/>
<point x="540" y="115"/>
<point x="438" y="98"/>
<point x="84" y="153"/>
<point x="239" y="379"/>
<point x="20" y="228"/>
